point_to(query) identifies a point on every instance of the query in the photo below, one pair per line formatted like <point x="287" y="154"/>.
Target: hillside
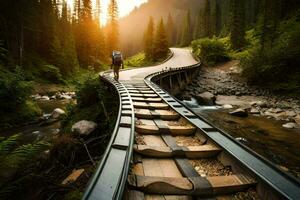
<point x="133" y="26"/>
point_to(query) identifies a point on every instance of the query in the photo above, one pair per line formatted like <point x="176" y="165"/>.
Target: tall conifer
<point x="161" y="46"/>
<point x="149" y="39"/>
<point x="237" y="36"/>
<point x="113" y="27"/>
<point x="187" y="30"/>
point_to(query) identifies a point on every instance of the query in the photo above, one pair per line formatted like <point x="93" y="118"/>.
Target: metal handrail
<point x="295" y="182"/>
<point x="92" y="185"/>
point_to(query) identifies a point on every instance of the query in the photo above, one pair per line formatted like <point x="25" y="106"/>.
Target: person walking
<point x="117" y="63"/>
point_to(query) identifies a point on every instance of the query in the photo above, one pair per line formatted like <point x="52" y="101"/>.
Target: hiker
<point x="117" y="62"/>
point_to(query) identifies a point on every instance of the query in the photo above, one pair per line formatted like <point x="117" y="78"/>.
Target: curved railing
<point x="284" y="184"/>
<point x="110" y="177"/>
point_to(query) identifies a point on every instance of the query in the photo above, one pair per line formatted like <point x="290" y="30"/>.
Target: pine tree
<point x="170" y="30"/>
<point x="100" y="52"/>
<point x="149" y="39"/>
<point x="218" y="17"/>
<point x="237" y="36"/>
<point x="207" y="20"/>
<point x="161" y="46"/>
<point x="69" y="56"/>
<point x="187" y="30"/>
<point x="84" y="37"/>
<point x="270" y="16"/>
<point x="113" y="27"/>
<point x="48" y="25"/>
<point x="198" y="28"/>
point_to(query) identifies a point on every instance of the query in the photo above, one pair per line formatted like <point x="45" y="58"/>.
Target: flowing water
<point x="265" y="136"/>
<point x="37" y="131"/>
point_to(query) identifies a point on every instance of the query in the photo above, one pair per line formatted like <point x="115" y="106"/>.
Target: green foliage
<point x="237" y="36"/>
<point x="138" y="60"/>
<point x="13" y="156"/>
<point x="277" y="67"/>
<point x="51" y="73"/>
<point x="14" y="161"/>
<point x="161" y="46"/>
<point x="187" y="30"/>
<point x="93" y="98"/>
<point x="3" y="53"/>
<point x="210" y="51"/>
<point x="14" y="90"/>
<point x="207" y="20"/>
<point x="15" y="106"/>
<point x="74" y="195"/>
<point x="149" y="40"/>
<point x="113" y="27"/>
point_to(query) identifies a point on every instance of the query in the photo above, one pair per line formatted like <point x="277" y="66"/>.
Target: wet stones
<point x="254" y="111"/>
<point x="206" y="98"/>
<point x="227" y="106"/>
<point x="84" y="127"/>
<point x="240" y="112"/>
<point x="289" y="125"/>
<point x="57" y="113"/>
<point x="297" y="119"/>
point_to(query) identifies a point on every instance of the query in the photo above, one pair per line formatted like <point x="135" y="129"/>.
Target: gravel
<point x="210" y="167"/>
<point x="188" y="141"/>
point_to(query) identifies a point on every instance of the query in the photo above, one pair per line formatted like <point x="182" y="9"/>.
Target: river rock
<point x="239" y="113"/>
<point x="84" y="127"/>
<point x="289" y="125"/>
<point x="206" y="98"/>
<point x="290" y="113"/>
<point x="57" y="113"/>
<point x="297" y="119"/>
<point x="254" y="111"/>
<point x="261" y="104"/>
<point x="227" y="106"/>
<point x="45" y="98"/>
<point x="65" y="96"/>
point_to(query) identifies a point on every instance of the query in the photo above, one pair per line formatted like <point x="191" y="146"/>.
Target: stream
<point x="38" y="131"/>
<point x="265" y="136"/>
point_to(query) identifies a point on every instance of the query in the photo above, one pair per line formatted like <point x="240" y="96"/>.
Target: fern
<point x="12" y="157"/>
<point x="6" y="145"/>
<point x="27" y="152"/>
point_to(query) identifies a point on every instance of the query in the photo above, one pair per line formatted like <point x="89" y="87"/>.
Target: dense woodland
<point x="49" y="41"/>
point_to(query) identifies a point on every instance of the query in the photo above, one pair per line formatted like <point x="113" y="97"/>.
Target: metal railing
<point x="109" y="180"/>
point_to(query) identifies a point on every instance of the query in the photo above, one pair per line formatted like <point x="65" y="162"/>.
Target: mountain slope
<point x="132" y="27"/>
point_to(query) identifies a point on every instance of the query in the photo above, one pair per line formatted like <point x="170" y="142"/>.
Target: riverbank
<point x="268" y="123"/>
<point x="227" y="87"/>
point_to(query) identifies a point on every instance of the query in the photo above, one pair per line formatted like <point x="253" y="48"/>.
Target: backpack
<point x="117" y="58"/>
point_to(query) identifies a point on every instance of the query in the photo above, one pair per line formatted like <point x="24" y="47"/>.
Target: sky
<point x="125" y="7"/>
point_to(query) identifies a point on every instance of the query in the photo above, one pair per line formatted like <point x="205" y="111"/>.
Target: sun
<point x="125" y="7"/>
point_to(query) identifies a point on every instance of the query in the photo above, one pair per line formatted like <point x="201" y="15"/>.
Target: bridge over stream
<point x="161" y="150"/>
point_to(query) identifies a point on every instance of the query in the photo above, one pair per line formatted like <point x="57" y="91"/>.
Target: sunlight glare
<point x="125" y="7"/>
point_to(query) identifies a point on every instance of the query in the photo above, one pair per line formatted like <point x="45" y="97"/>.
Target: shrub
<point x="95" y="102"/>
<point x="210" y="51"/>
<point x="15" y="106"/>
<point x="51" y="73"/>
<point x="277" y="66"/>
<point x="14" y="90"/>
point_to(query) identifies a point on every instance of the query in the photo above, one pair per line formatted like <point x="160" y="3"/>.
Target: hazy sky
<point x="125" y="6"/>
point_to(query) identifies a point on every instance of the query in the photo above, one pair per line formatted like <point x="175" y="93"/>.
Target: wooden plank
<point x="138" y="169"/>
<point x="160" y="168"/>
<point x="154" y="140"/>
<point x="193" y="152"/>
<point x="196" y="186"/>
<point x="230" y="184"/>
<point x="135" y="195"/>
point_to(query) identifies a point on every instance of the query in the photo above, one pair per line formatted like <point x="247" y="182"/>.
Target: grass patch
<point x="139" y="60"/>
